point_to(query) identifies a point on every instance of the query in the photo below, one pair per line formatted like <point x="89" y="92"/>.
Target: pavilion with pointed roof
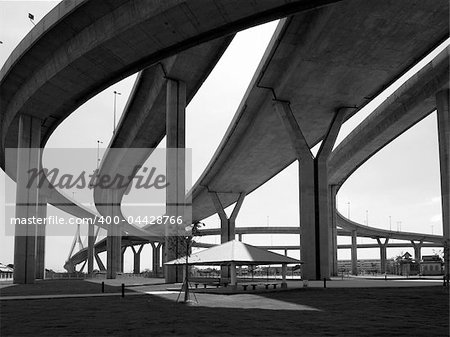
<point x="235" y="253"/>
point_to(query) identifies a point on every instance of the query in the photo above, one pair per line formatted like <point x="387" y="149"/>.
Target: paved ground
<point x="384" y="307"/>
<point x="312" y="311"/>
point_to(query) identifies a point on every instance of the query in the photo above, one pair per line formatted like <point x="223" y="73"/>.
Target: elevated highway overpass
<point x="232" y="172"/>
<point x="82" y="47"/>
<point x="45" y="95"/>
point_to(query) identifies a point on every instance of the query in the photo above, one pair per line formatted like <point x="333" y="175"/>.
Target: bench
<point x="245" y="286"/>
<point x="214" y="284"/>
<point x="271" y="284"/>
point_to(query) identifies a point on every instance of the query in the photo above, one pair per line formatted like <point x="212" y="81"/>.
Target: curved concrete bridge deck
<point x="260" y="97"/>
<point x="317" y="78"/>
<point x="101" y="56"/>
<point x="82" y="47"/>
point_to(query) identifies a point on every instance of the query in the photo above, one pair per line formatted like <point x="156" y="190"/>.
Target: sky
<point x="398" y="188"/>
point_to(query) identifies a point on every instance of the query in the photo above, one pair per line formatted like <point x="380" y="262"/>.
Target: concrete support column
<point x="156" y="256"/>
<point x="383" y="254"/>
<point x="100" y="264"/>
<point x="90" y="248"/>
<point x="163" y="258"/>
<point x="283" y="275"/>
<point x="240" y="237"/>
<point x="175" y="173"/>
<point x="333" y="237"/>
<point x="354" y="253"/>
<point x="40" y="238"/>
<point x="316" y="228"/>
<point x="417" y="250"/>
<point x="28" y="158"/>
<point x="122" y="260"/>
<point x="443" y="114"/>
<point x="227" y="224"/>
<point x="114" y="238"/>
<point x="137" y="259"/>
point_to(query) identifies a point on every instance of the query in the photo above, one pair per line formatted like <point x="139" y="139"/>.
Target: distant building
<point x="431" y="265"/>
<point x="6" y="272"/>
<point x="405" y="265"/>
<point x="369" y="266"/>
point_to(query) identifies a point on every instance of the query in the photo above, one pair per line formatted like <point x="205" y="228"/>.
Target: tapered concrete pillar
<point x="137" y="259"/>
<point x="114" y="238"/>
<point x="156" y="257"/>
<point x="443" y="114"/>
<point x="227" y="224"/>
<point x="40" y="238"/>
<point x="175" y="173"/>
<point x="90" y="248"/>
<point x="163" y="259"/>
<point x="28" y="158"/>
<point x="122" y="259"/>
<point x="100" y="264"/>
<point x="354" y="254"/>
<point x="333" y="237"/>
<point x="315" y="225"/>
<point x="417" y="250"/>
<point x="383" y="254"/>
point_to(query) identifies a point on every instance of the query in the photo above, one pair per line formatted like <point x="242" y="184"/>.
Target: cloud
<point x="436" y="218"/>
<point x="432" y="201"/>
<point x="436" y="200"/>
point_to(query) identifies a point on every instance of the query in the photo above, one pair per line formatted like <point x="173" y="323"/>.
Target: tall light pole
<point x="432" y="229"/>
<point x="348" y="210"/>
<point x="390" y="223"/>
<point x="115" y="95"/>
<point x="367" y="217"/>
<point x="98" y="153"/>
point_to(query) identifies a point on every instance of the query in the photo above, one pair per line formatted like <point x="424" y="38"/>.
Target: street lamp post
<point x="115" y="95"/>
<point x="348" y="210"/>
<point x="367" y="217"/>
<point x="98" y="153"/>
<point x="390" y="223"/>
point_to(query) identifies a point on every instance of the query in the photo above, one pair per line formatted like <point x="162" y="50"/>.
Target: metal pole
<point x="348" y="210"/>
<point x="114" y="126"/>
<point x="98" y="152"/>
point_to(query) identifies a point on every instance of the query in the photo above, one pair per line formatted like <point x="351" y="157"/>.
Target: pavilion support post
<point x="383" y="254"/>
<point x="443" y="114"/>
<point x="233" y="278"/>
<point x="175" y="175"/>
<point x="315" y="225"/>
<point x="227" y="225"/>
<point x="28" y="159"/>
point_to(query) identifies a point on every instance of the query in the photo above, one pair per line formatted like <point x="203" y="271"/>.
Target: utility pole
<point x="115" y="95"/>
